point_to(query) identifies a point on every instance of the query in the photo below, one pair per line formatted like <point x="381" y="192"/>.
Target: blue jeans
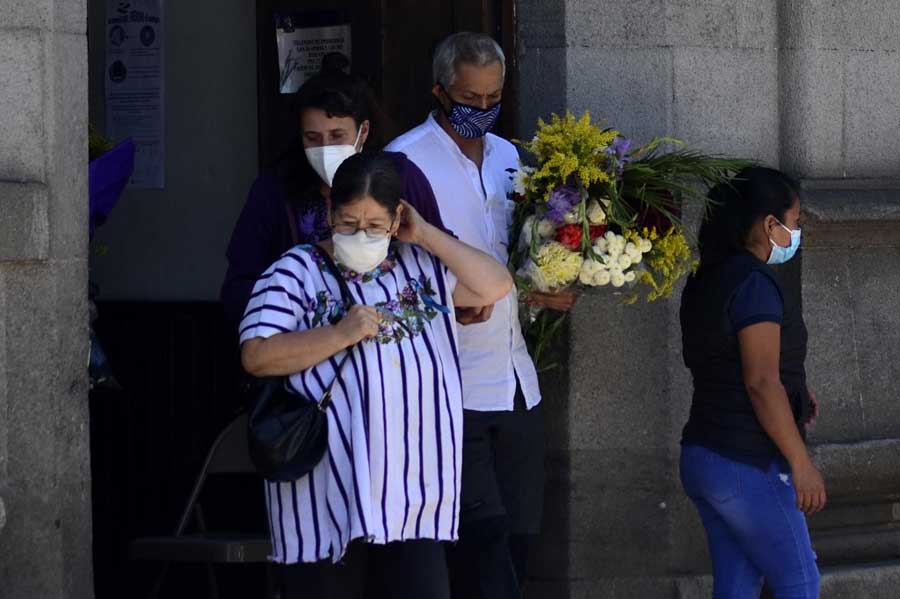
<point x="754" y="528"/>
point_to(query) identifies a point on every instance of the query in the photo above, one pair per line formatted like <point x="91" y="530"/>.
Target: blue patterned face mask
<point x="471" y="122"/>
<point x="780" y="254"/>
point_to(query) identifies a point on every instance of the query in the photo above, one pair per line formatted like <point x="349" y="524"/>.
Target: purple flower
<point x="619" y="149"/>
<point x="562" y="199"/>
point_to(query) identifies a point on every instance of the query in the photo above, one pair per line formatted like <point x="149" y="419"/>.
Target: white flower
<point x="525" y="237"/>
<point x="519" y="179"/>
<point x="601" y="245"/>
<point x="646" y="245"/>
<point x="630" y="276"/>
<point x="624" y="261"/>
<point x="601" y="279"/>
<point x="595" y="213"/>
<point x="617" y="278"/>
<point x="571" y="217"/>
<point x="637" y="259"/>
<point x="546" y="228"/>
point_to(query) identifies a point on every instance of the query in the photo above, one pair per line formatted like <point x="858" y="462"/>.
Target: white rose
<point x="595" y="213"/>
<point x="617" y="278"/>
<point x="601" y="279"/>
<point x="571" y="217"/>
<point x="546" y="228"/>
<point x="637" y="259"/>
<point x="624" y="261"/>
<point x="630" y="276"/>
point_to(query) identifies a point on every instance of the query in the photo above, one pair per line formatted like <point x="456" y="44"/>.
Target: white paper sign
<point x="134" y="85"/>
<point x="300" y="51"/>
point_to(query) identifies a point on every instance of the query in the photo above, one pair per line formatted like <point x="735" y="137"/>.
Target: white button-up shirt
<point x="476" y="207"/>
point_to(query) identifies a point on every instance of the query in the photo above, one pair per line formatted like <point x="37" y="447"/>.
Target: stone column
<point x="45" y="508"/>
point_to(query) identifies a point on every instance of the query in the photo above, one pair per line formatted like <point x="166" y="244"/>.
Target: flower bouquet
<point x="597" y="211"/>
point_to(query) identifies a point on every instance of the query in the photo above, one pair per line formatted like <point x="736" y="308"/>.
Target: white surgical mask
<point x="325" y="160"/>
<point x="359" y="252"/>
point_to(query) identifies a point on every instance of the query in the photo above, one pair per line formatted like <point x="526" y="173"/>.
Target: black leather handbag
<point x="287" y="433"/>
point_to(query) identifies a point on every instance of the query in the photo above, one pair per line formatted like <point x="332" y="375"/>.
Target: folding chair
<point x="228" y="454"/>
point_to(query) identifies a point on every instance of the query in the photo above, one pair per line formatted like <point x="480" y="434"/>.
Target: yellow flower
<point x="567" y="147"/>
<point x="670" y="259"/>
<point x="559" y="266"/>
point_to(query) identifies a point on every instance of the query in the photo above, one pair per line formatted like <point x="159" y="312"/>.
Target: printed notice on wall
<point x="134" y="85"/>
<point x="302" y="42"/>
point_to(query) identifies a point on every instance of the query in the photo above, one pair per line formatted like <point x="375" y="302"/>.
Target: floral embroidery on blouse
<point x="406" y="315"/>
<point x="326" y="310"/>
<point x="352" y="276"/>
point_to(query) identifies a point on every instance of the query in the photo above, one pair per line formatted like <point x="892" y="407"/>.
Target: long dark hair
<point x="367" y="174"/>
<point x="737" y="205"/>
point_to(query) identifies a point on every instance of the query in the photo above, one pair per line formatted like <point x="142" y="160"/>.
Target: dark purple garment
<point x="262" y="233"/>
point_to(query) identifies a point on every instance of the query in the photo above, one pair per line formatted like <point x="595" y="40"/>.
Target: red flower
<point x="569" y="236"/>
<point x="597" y="231"/>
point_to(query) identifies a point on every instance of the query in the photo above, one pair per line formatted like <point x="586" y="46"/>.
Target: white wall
<point x="169" y="244"/>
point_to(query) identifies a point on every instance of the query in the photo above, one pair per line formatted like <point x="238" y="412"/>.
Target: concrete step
<point x="880" y="580"/>
<point x="862" y="471"/>
<point x="858" y="545"/>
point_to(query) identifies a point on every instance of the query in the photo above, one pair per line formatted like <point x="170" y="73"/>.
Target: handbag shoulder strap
<point x="346" y="295"/>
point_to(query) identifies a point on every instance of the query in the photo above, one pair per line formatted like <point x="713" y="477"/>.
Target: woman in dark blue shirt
<point x="744" y="461"/>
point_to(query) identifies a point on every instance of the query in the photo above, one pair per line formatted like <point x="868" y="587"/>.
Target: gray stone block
<point x="22" y="135"/>
<point x="873" y="114"/>
<point x="31" y="15"/>
<point x="66" y="134"/>
<point x="859" y="545"/>
<point x="725" y="101"/>
<point x="833" y="361"/>
<point x="842" y="206"/>
<point x="867" y="469"/>
<point x="812" y="108"/>
<point x="862" y="25"/>
<point x="24" y="227"/>
<point x="542" y="87"/>
<point x="630" y="88"/>
<point x="611" y="24"/>
<point x="872" y="581"/>
<point x="875" y="284"/>
<point x="721" y="23"/>
<point x="541" y="24"/>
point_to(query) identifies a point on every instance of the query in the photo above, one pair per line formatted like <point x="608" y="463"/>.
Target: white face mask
<point x="325" y="160"/>
<point x="359" y="252"/>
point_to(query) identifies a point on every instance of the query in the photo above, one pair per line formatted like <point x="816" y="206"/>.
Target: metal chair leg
<point x="157" y="585"/>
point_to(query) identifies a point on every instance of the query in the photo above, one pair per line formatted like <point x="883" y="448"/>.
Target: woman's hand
<point x="361" y="322"/>
<point x="561" y="301"/>
<point x="412" y="226"/>
<point x="810" y="487"/>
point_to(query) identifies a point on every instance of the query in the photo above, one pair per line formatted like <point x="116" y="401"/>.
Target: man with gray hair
<point x="503" y="445"/>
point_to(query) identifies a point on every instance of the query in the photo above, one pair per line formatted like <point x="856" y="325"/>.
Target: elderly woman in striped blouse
<point x="392" y="471"/>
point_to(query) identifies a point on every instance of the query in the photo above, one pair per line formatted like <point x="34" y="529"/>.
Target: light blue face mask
<point x="779" y="254"/>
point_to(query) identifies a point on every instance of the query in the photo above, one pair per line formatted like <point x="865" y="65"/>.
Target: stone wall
<point x="803" y="85"/>
<point x="44" y="462"/>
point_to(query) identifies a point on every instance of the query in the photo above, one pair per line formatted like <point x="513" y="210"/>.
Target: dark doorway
<point x="177" y="361"/>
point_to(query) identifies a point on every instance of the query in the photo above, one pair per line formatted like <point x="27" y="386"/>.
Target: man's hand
<point x="561" y="301"/>
<point x="465" y="316"/>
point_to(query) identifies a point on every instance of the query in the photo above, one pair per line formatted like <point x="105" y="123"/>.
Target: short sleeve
<point x="281" y="298"/>
<point x="756" y="300"/>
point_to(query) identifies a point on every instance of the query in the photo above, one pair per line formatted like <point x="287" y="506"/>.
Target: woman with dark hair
<point x="391" y="474"/>
<point x="337" y="117"/>
<point x="744" y="462"/>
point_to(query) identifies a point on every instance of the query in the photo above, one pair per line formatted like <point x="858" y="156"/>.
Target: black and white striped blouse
<point x="392" y="471"/>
